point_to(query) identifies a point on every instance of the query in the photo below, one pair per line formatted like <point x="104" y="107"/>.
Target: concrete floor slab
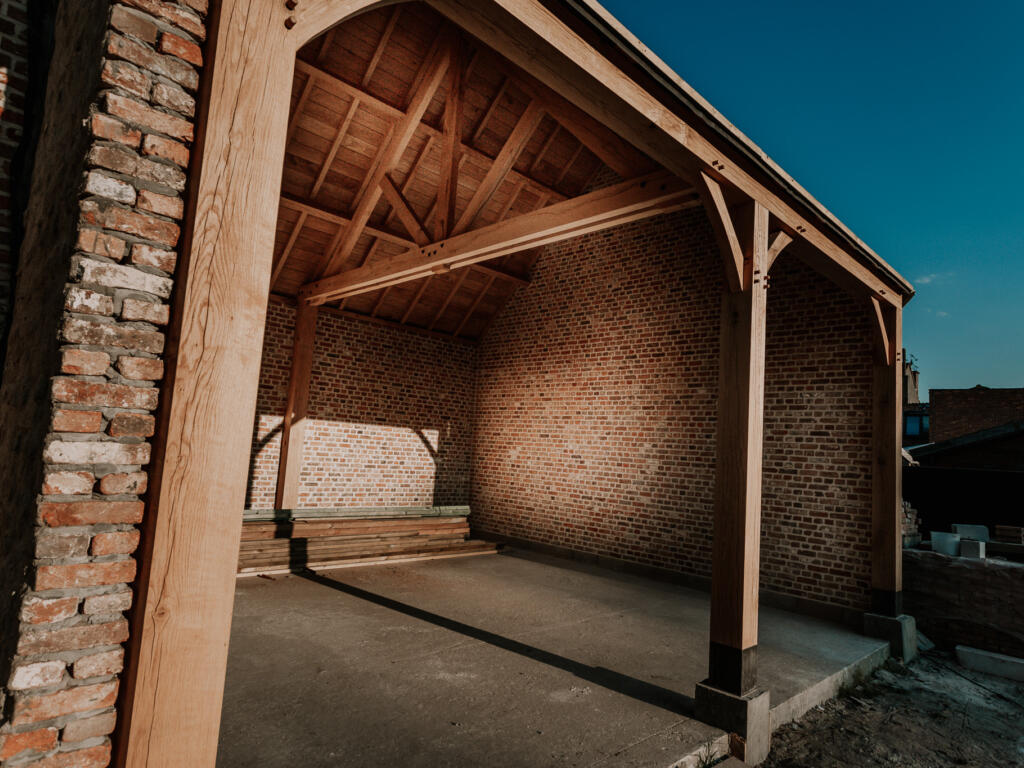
<point x="518" y="659"/>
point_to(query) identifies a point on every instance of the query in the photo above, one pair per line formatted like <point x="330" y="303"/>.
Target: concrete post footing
<point x="900" y="631"/>
<point x="746" y="718"/>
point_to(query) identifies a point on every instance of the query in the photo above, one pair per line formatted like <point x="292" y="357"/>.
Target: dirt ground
<point x="931" y="713"/>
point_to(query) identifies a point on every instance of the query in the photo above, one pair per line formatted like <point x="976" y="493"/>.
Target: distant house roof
<point x="974" y="438"/>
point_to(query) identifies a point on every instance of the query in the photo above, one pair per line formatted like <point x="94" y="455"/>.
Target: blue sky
<point x="906" y="120"/>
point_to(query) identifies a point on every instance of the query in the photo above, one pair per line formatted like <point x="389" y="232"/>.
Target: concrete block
<point x="990" y="663"/>
<point x="976" y="532"/>
<point x="900" y="631"/>
<point x="972" y="548"/>
<point x="946" y="543"/>
<point x="746" y="718"/>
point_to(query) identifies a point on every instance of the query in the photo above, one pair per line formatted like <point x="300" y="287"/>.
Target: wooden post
<point x="732" y="659"/>
<point x="293" y="432"/>
<point x="887" y="470"/>
<point x="177" y="656"/>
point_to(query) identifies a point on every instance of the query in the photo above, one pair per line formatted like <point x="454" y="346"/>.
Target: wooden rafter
<point x="334" y="84"/>
<point x="614" y="151"/>
<point x="319" y="212"/>
<point x="569" y="165"/>
<point x="448" y="299"/>
<point x="283" y="258"/>
<point x="381" y="45"/>
<point x="339" y="137"/>
<point x="386" y="160"/>
<point x="544" y="148"/>
<point x="472" y="307"/>
<point x="451" y="143"/>
<point x="486" y="117"/>
<point x="725" y="231"/>
<point x="307" y="89"/>
<point x="501" y="166"/>
<point x="403" y="210"/>
<point x="621" y="203"/>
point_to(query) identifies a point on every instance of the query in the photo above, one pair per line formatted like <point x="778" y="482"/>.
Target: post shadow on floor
<point x="606" y="678"/>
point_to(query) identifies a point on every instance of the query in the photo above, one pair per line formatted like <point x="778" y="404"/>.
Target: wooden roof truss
<point x="423" y="172"/>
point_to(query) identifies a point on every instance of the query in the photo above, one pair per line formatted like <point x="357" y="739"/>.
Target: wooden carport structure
<point x="416" y="197"/>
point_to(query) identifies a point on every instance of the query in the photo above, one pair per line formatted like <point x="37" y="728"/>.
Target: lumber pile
<point x="276" y="542"/>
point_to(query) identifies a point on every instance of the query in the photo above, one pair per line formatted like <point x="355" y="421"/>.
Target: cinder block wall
<point x="596" y="402"/>
<point x="84" y="362"/>
<point x="391" y="415"/>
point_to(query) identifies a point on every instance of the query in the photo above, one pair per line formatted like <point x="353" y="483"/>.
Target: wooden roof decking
<point x="356" y="152"/>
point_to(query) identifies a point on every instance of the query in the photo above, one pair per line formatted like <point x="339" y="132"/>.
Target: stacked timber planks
<point x="274" y="542"/>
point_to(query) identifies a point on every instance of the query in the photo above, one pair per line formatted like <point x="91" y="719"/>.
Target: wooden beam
<point x="339" y="137"/>
<point x="569" y="165"/>
<point x="330" y="83"/>
<point x="778" y="244"/>
<point x="293" y="431"/>
<point x="544" y="148"/>
<point x="561" y="59"/>
<point x="737" y="515"/>
<point x="283" y="258"/>
<point x="403" y="210"/>
<point x="614" y="151"/>
<point x="725" y="233"/>
<point x="501" y="166"/>
<point x="399" y="139"/>
<point x="319" y="212"/>
<point x="451" y="142"/>
<point x="181" y="617"/>
<point x="381" y="45"/>
<point x="618" y="204"/>
<point x="887" y="471"/>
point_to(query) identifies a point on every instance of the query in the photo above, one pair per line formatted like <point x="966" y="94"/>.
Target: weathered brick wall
<point x="596" y="401"/>
<point x="956" y="412"/>
<point x="13" y="85"/>
<point x="390" y="416"/>
<point x="104" y="215"/>
<point x="596" y="397"/>
<point x="816" y="497"/>
<point x="959" y="601"/>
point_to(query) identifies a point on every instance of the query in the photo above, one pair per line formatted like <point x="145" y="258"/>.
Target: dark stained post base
<point x="747" y="719"/>
<point x="885" y="602"/>
<point x="732" y="670"/>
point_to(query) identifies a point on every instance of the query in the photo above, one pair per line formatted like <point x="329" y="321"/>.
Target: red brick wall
<point x="390" y="416"/>
<point x="84" y="364"/>
<point x="816" y="497"/>
<point x="13" y="83"/>
<point x="956" y="412"/>
<point x="596" y="400"/>
<point x="596" y="397"/>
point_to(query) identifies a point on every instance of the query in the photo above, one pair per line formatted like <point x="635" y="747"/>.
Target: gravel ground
<point x="933" y="713"/>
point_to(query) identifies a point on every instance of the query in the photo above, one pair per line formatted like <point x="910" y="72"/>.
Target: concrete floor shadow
<point x="640" y="690"/>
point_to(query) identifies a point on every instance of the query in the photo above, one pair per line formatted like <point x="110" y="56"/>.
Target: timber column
<point x="730" y="698"/>
<point x="886" y="619"/>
